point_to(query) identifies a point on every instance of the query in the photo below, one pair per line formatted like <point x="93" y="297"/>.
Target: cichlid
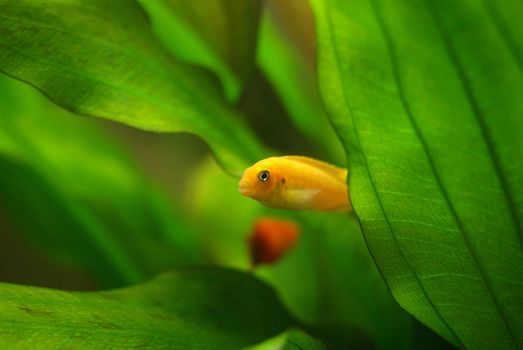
<point x="296" y="183"/>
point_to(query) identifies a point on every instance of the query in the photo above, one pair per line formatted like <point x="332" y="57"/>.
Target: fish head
<point x="262" y="181"/>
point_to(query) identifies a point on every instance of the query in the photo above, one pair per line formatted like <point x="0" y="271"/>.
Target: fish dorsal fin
<point x="334" y="171"/>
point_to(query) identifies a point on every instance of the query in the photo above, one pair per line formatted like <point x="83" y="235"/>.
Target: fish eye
<point x="264" y="175"/>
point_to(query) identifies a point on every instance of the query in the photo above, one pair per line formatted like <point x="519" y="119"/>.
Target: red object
<point x="271" y="238"/>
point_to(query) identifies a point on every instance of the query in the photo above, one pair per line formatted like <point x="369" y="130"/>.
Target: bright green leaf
<point x="297" y="340"/>
<point x="426" y="96"/>
<point x="197" y="308"/>
<point x="294" y="339"/>
<point x="100" y="58"/>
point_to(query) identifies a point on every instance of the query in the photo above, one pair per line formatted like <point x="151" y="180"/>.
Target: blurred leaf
<point x="297" y="340"/>
<point x="52" y="214"/>
<point x="295" y="82"/>
<point x="191" y="308"/>
<point x="220" y="35"/>
<point x="292" y="339"/>
<point x="212" y="195"/>
<point x="73" y="193"/>
<point x="327" y="279"/>
<point x="267" y="116"/>
<point x="101" y="59"/>
<point x="426" y="96"/>
<point x="275" y="343"/>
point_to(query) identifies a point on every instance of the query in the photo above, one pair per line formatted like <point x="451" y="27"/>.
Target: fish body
<point x="296" y="183"/>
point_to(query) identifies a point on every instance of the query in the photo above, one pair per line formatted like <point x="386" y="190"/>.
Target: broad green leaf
<point x="72" y="193"/>
<point x="197" y="308"/>
<point x="100" y="58"/>
<point x="426" y="96"/>
<point x="220" y="35"/>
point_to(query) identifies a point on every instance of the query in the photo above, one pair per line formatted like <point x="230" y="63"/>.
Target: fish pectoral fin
<point x="301" y="198"/>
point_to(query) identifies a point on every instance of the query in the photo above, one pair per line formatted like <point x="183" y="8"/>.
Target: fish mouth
<point x="244" y="188"/>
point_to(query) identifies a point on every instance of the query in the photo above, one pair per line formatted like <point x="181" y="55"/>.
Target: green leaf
<point x="293" y="339"/>
<point x="297" y="340"/>
<point x="74" y="194"/>
<point x="229" y="26"/>
<point x="192" y="308"/>
<point x="221" y="35"/>
<point x="51" y="214"/>
<point x="426" y="96"/>
<point x="101" y="59"/>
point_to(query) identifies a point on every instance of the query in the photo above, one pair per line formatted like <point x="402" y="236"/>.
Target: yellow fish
<point x="296" y="183"/>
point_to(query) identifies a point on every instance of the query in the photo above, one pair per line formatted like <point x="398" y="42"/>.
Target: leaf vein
<point x="423" y="142"/>
<point x="372" y="181"/>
